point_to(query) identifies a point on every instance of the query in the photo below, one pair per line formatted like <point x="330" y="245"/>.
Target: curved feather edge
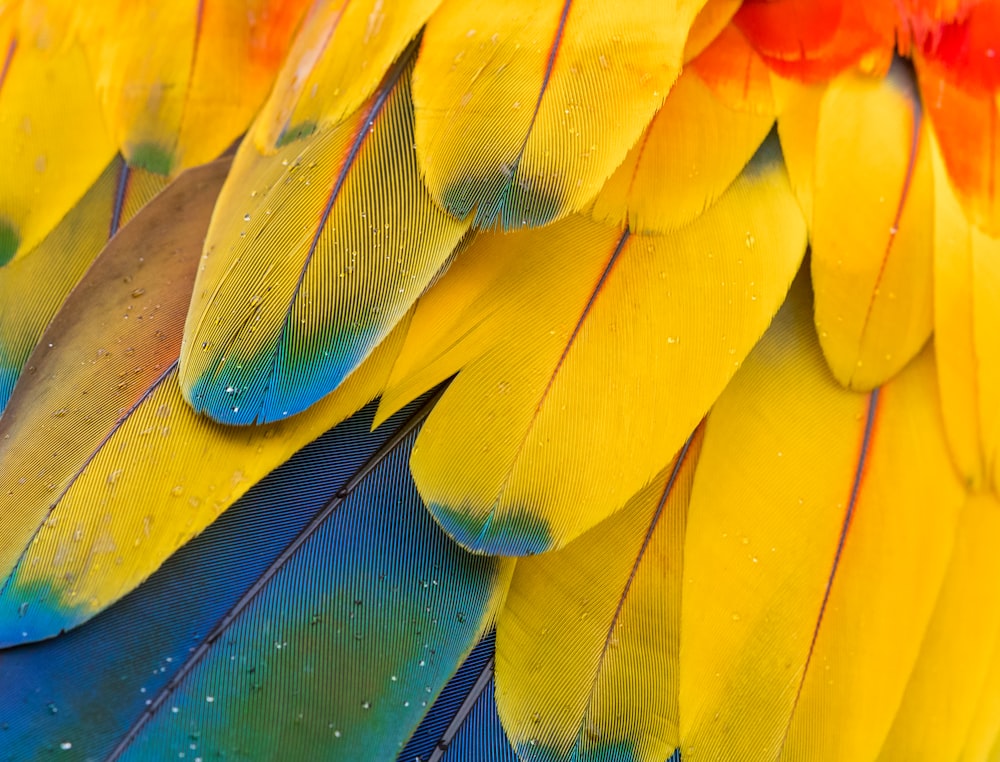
<point x="236" y="651"/>
<point x="819" y="533"/>
<point x="105" y="471"/>
<point x="588" y="637"/>
<point x="500" y="462"/>
<point x="33" y="287"/>
<point x="312" y="258"/>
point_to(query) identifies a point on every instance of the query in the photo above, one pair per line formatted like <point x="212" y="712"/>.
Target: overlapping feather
<point x="311" y="260"/>
<point x="578" y="312"/>
<point x="130" y="472"/>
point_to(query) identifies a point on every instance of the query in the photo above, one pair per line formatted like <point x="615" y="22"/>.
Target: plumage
<point x="180" y="97"/>
<point x="61" y="258"/>
<point x="44" y="173"/>
<point x="308" y="271"/>
<point x="555" y="253"/>
<point x="681" y="165"/>
<point x="523" y="110"/>
<point x="102" y="408"/>
<point x="871" y="226"/>
<point x="584" y="669"/>
<point x="807" y="582"/>
<point x="188" y="671"/>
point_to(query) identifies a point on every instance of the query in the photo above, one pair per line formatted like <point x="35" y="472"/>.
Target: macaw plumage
<point x="443" y="380"/>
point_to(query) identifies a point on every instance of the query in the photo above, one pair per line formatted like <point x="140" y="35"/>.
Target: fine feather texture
<point x="178" y="98"/>
<point x="225" y="651"/>
<point x="524" y="109"/>
<point x="33" y="287"/>
<point x="536" y="440"/>
<point x="692" y="151"/>
<point x="312" y="258"/>
<point x="587" y="646"/>
<point x="126" y="481"/>
<point x="452" y="708"/>
<point x="819" y="532"/>
<point x="871" y="227"/>
<point x="335" y="64"/>
<point x="45" y="171"/>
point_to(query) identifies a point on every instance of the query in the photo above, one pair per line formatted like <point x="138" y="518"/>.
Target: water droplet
<point x="246" y="217"/>
<point x="366" y="704"/>
<point x="137" y="292"/>
<point x="66" y="746"/>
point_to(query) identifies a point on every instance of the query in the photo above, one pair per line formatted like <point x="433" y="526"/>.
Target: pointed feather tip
<point x="515" y="533"/>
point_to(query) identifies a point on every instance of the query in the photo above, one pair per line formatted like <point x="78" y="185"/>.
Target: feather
<point x="451" y="710"/>
<point x="950" y="674"/>
<point x="45" y="172"/>
<point x="130" y="472"/>
<point x="812" y="40"/>
<point x="523" y="110"/>
<point x="180" y="96"/>
<point x="230" y="652"/>
<point x="694" y="148"/>
<point x="33" y="287"/>
<point x="711" y="19"/>
<point x="960" y="84"/>
<point x="819" y="531"/>
<point x="335" y="64"/>
<point x="871" y="228"/>
<point x="983" y="740"/>
<point x="311" y="259"/>
<point x="966" y="324"/>
<point x="587" y="653"/>
<point x="501" y="461"/>
<point x="481" y="737"/>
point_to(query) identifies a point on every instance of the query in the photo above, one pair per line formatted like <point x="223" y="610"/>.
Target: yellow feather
<point x="711" y="19"/>
<point x="950" y="674"/>
<point x="819" y="531"/>
<point x="967" y="324"/>
<point x="130" y="472"/>
<point x="587" y="642"/>
<point x="982" y="744"/>
<point x="54" y="145"/>
<point x="592" y="355"/>
<point x="338" y="59"/>
<point x="33" y="287"/>
<point x="872" y="234"/>
<point x="524" y="109"/>
<point x="312" y="257"/>
<point x="691" y="152"/>
<point x="180" y="80"/>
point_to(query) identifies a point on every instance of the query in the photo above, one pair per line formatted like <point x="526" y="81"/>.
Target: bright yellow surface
<point x="950" y="675"/>
<point x="872" y="228"/>
<point x="691" y="152"/>
<point x="335" y="64"/>
<point x="576" y="391"/>
<point x="588" y="641"/>
<point x="489" y="124"/>
<point x="314" y="244"/>
<point x="45" y="167"/>
<point x="181" y="95"/>
<point x="128" y="472"/>
<point x="767" y="670"/>
<point x="967" y="328"/>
